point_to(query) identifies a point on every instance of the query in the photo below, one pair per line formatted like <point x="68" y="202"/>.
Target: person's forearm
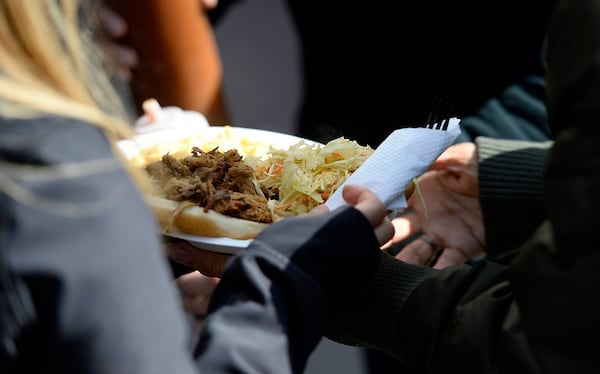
<point x="270" y="306"/>
<point x="372" y="317"/>
<point x="292" y="283"/>
<point x="179" y="60"/>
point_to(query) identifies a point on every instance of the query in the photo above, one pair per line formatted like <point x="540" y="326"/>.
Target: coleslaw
<point x="306" y="174"/>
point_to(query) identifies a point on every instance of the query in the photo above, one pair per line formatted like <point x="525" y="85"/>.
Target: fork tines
<point x="440" y="114"/>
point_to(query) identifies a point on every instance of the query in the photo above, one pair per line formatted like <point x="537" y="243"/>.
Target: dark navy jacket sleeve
<point x="270" y="308"/>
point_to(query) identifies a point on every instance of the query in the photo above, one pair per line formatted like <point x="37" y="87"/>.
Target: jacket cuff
<point x="371" y="318"/>
<point x="510" y="175"/>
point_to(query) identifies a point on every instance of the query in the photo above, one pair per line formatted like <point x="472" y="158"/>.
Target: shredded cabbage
<point x="305" y="175"/>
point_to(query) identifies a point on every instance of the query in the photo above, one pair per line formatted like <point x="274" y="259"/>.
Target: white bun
<point x="194" y="220"/>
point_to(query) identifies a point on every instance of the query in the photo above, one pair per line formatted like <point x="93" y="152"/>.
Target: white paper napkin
<point x="405" y="154"/>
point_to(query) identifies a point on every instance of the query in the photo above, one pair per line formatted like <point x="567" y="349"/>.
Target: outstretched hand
<point x="450" y="218"/>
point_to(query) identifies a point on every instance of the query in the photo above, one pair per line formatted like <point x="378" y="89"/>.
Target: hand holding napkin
<point x="404" y="155"/>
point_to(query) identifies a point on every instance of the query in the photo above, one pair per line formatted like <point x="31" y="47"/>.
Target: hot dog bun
<point x="192" y="219"/>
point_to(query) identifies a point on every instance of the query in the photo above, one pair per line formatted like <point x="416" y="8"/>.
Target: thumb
<point x="365" y="201"/>
<point x="319" y="209"/>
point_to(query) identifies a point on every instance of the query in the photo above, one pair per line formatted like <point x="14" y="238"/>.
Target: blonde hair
<point x="50" y="64"/>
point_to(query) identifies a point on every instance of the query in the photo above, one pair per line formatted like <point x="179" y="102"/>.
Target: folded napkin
<point x="404" y="155"/>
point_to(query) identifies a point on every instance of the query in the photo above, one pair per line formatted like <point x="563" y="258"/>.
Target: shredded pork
<point x="213" y="180"/>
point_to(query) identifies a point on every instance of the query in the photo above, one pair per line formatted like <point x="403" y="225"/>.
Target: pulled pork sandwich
<point x="210" y="194"/>
<point x="224" y="194"/>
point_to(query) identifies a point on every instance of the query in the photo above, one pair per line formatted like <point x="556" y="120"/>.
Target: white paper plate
<point x="253" y="142"/>
<point x="249" y="142"/>
<point x="221" y="245"/>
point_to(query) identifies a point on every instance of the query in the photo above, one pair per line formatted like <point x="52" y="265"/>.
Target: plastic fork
<point x="439" y="115"/>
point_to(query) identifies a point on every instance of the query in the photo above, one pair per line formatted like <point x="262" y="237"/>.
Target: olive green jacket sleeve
<point x="510" y="189"/>
<point x="538" y="312"/>
<point x="534" y="311"/>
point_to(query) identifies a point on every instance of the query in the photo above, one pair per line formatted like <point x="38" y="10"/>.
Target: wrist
<point x="338" y="250"/>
